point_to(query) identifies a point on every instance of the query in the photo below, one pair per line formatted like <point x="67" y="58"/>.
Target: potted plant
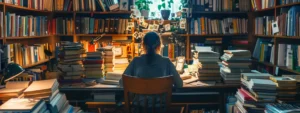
<point x="143" y="6"/>
<point x="165" y="10"/>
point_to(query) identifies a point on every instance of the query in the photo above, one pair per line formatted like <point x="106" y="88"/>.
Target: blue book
<point x="35" y="54"/>
<point x="192" y="26"/>
<point x="8" y="24"/>
<point x="67" y="2"/>
<point x="199" y="26"/>
<point x="165" y="51"/>
<point x="92" y="23"/>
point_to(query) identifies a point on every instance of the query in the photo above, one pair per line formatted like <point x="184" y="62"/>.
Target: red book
<point x="247" y="95"/>
<point x="54" y="26"/>
<point x="91" y="47"/>
<point x="93" y="62"/>
<point x="70" y="5"/>
<point x="258" y="4"/>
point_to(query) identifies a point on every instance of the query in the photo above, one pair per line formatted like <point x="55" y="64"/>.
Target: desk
<point x="82" y="94"/>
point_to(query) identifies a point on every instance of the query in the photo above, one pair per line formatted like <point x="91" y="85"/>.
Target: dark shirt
<point x="159" y="67"/>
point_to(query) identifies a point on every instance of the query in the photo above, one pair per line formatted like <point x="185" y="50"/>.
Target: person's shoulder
<point x="166" y="59"/>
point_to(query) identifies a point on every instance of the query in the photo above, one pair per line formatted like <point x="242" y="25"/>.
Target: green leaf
<point x="163" y="5"/>
<point x="171" y="1"/>
<point x="162" y="0"/>
<point x="159" y="7"/>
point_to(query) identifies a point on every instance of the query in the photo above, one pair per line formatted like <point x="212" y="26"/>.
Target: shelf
<point x="266" y="9"/>
<point x="90" y="12"/>
<point x="264" y="63"/>
<point x="288" y="37"/>
<point x="211" y="12"/>
<point x="38" y="63"/>
<point x="104" y="35"/>
<point x="215" y="35"/>
<point x="64" y="35"/>
<point x="265" y="36"/>
<point x="11" y="6"/>
<point x="63" y="12"/>
<point x="289" y="70"/>
<point x="164" y="35"/>
<point x="26" y="37"/>
<point x="288" y="5"/>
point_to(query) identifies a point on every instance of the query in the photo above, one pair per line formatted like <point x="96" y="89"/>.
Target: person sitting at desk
<point x="152" y="64"/>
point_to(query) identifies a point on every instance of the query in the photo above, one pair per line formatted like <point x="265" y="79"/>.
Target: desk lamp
<point x="12" y="71"/>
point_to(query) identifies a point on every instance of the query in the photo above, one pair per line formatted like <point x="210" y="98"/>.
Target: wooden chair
<point x="153" y="86"/>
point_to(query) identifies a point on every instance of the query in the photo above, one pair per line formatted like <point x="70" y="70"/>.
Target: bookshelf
<point x="277" y="39"/>
<point x="38" y="63"/>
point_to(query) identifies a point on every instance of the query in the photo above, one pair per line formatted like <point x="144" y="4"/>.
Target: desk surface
<point x="102" y="87"/>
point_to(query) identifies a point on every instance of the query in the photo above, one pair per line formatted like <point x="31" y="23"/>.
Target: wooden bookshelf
<point x="116" y="12"/>
<point x="216" y="35"/>
<point x="38" y="63"/>
<point x="272" y="11"/>
<point x="216" y="12"/>
<point x="104" y="35"/>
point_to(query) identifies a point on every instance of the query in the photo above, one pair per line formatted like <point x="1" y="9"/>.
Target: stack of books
<point x="257" y="90"/>
<point x="234" y="62"/>
<point x="70" y="60"/>
<point x="112" y="78"/>
<point x="120" y="64"/>
<point x="109" y="58"/>
<point x="13" y="90"/>
<point x="210" y="70"/>
<point x="297" y="78"/>
<point x="286" y="88"/>
<point x="24" y="105"/>
<point x="93" y="64"/>
<point x="48" y="90"/>
<point x="282" y="108"/>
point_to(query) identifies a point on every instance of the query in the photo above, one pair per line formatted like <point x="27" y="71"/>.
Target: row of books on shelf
<point x="282" y="2"/>
<point x="17" y="25"/>
<point x="264" y="50"/>
<point x="32" y="4"/>
<point x="206" y="25"/>
<point x="221" y="5"/>
<point x="25" y="54"/>
<point x="288" y="23"/>
<point x="87" y="25"/>
<point x="262" y="4"/>
<point x="22" y="96"/>
<point x="173" y="50"/>
<point x="64" y="5"/>
<point x="99" y="5"/>
<point x="61" y="26"/>
<point x="289" y="56"/>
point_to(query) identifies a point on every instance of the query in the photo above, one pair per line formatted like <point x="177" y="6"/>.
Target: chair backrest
<point x="150" y="86"/>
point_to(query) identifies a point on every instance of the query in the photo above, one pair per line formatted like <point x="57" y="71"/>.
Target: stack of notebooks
<point x="93" y="64"/>
<point x="13" y="90"/>
<point x="210" y="70"/>
<point x="234" y="62"/>
<point x="257" y="90"/>
<point x="286" y="88"/>
<point x="283" y="108"/>
<point x="108" y="57"/>
<point x="70" y="56"/>
<point x="24" y="105"/>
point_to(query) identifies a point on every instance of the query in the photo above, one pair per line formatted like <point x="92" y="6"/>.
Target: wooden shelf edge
<point x="97" y="12"/>
<point x="104" y="35"/>
<point x="25" y="8"/>
<point x="264" y="63"/>
<point x="64" y="35"/>
<point x="218" y="12"/>
<point x="287" y="5"/>
<point x="289" y="70"/>
<point x="37" y="63"/>
<point x="26" y="37"/>
<point x="219" y="34"/>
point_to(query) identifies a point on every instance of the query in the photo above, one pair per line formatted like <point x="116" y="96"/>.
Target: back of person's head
<point x="152" y="45"/>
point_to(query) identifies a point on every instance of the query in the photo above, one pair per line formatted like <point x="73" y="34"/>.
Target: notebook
<point x="22" y="105"/>
<point x="13" y="89"/>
